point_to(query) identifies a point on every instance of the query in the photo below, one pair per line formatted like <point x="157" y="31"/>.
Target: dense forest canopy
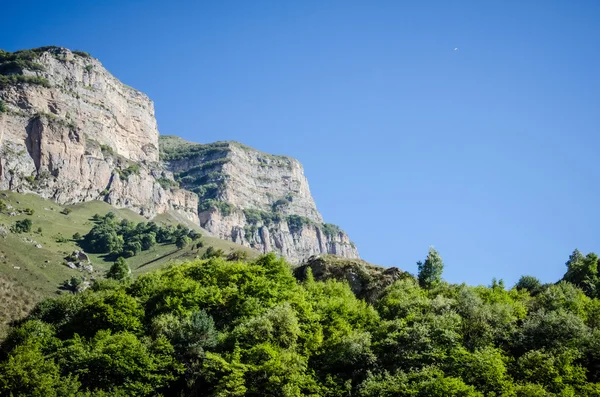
<point x="232" y="328"/>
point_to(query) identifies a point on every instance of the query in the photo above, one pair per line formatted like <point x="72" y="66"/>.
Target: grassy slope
<point x="42" y="270"/>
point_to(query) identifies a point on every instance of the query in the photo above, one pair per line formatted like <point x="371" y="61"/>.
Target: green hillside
<point x="28" y="274"/>
<point x="228" y="328"/>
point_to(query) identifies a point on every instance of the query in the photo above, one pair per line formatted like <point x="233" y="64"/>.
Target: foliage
<point x="297" y="222"/>
<point x="212" y="252"/>
<point x="3" y="107"/>
<point x="59" y="238"/>
<point x="15" y="79"/>
<point x="119" y="270"/>
<point x="237" y="256"/>
<point x="331" y="230"/>
<point x="66" y="211"/>
<point x="224" y="208"/>
<point x="82" y="54"/>
<point x="123" y="238"/>
<point x="254" y="217"/>
<point x="173" y="148"/>
<point x="167" y="183"/>
<point x="22" y="226"/>
<point x="132" y="169"/>
<point x="229" y="328"/>
<point x="107" y="150"/>
<point x="182" y="241"/>
<point x="529" y="283"/>
<point x="430" y="271"/>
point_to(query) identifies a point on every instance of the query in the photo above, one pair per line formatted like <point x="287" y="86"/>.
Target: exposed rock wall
<point x="257" y="200"/>
<point x="366" y="280"/>
<point x="70" y="131"/>
<point x="86" y="137"/>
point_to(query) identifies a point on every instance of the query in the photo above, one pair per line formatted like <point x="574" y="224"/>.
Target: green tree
<point x="119" y="270"/>
<point x="430" y="271"/>
<point x="529" y="283"/>
<point x="583" y="271"/>
<point x="182" y="241"/>
<point x="27" y="372"/>
<point x="212" y="252"/>
<point x="22" y="226"/>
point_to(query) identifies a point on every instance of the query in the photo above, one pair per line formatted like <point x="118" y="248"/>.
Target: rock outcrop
<point x="70" y="131"/>
<point x="254" y="199"/>
<point x="366" y="280"/>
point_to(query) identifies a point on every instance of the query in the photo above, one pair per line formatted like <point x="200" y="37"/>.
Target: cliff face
<point x="255" y="199"/>
<point x="72" y="132"/>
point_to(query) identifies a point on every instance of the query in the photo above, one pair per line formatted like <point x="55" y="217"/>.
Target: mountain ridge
<point x="72" y="132"/>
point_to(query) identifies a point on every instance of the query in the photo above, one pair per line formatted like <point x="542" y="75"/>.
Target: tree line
<point x="123" y="238"/>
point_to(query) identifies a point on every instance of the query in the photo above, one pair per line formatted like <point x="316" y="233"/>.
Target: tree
<point x="22" y="226"/>
<point x="119" y="270"/>
<point x="583" y="271"/>
<point x="212" y="252"/>
<point x="182" y="241"/>
<point x="529" y="283"/>
<point x="77" y="236"/>
<point x="148" y="241"/>
<point x="430" y="272"/>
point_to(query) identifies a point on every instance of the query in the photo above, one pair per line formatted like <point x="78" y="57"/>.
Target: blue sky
<point x="487" y="152"/>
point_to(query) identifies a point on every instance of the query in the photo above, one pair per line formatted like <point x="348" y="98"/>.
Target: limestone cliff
<point x="71" y="131"/>
<point x="254" y="199"/>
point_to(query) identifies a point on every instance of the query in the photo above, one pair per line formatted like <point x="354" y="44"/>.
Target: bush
<point x="66" y="211"/>
<point x="82" y="54"/>
<point x="22" y="226"/>
<point x="182" y="241"/>
<point x="3" y="206"/>
<point x="212" y="252"/>
<point x="3" y="107"/>
<point x="132" y="169"/>
<point x="331" y="230"/>
<point x="107" y="150"/>
<point x="224" y="208"/>
<point x="296" y="222"/>
<point x="77" y="236"/>
<point x="15" y="79"/>
<point x="237" y="256"/>
<point x="61" y="239"/>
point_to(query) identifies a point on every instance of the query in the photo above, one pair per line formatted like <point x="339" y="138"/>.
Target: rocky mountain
<point x="72" y="132"/>
<point x="254" y="199"/>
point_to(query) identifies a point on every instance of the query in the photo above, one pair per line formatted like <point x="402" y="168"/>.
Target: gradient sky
<point x="487" y="152"/>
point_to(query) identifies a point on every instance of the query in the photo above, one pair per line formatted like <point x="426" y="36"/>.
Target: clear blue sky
<point x="487" y="153"/>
